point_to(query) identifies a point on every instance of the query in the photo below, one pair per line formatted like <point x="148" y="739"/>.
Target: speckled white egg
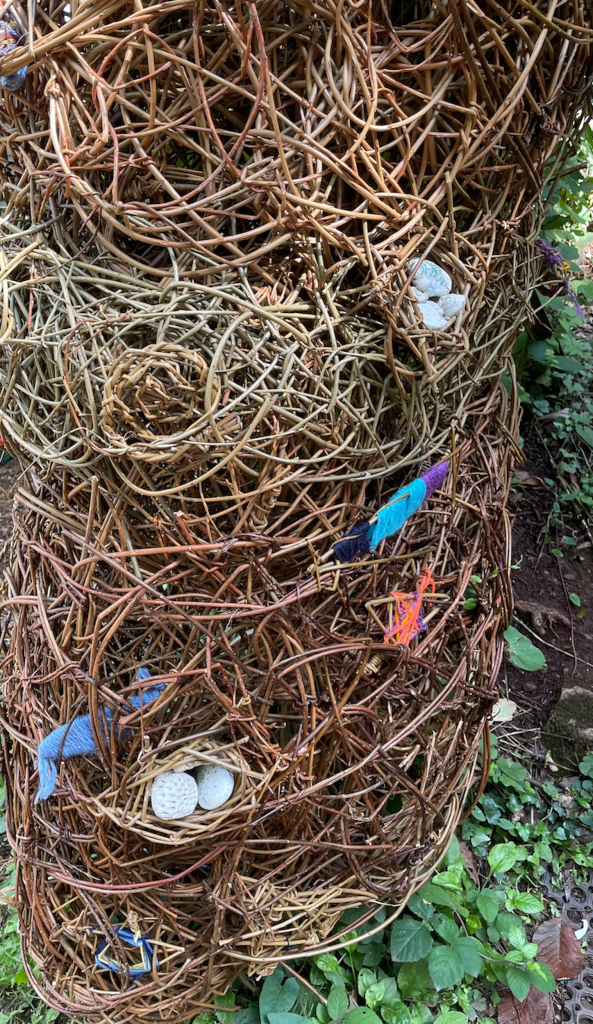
<point x="418" y="294"/>
<point x="215" y="786"/>
<point x="431" y="278"/>
<point x="432" y="315"/>
<point x="451" y="304"/>
<point x="174" y="795"/>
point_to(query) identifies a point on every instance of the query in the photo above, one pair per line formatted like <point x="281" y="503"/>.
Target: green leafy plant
<point x="522" y="652"/>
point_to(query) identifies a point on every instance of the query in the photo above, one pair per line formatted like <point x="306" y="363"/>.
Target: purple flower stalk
<point x="551" y="257"/>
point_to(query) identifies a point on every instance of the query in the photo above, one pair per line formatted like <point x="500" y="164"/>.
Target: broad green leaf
<point x="420" y="907"/>
<point x="445" y="927"/>
<point x="452" y="1017"/>
<point x="432" y="893"/>
<point x="518" y="939"/>
<point x="527" y="903"/>
<point x="321" y="1013"/>
<point x="506" y="921"/>
<point x="391" y="996"/>
<point x="248" y="1015"/>
<point x="568" y="365"/>
<point x="469" y="951"/>
<point x="366" y="977"/>
<point x="410" y="940"/>
<point x="446" y="967"/>
<point x="515" y="956"/>
<point x="575" y="599"/>
<point x="502" y="857"/>
<point x="398" y="1014"/>
<point x="288" y="1018"/>
<point x="585" y="433"/>
<point x="361" y="1015"/>
<point x="453" y="853"/>
<point x="541" y="351"/>
<point x="542" y="977"/>
<point x="326" y="962"/>
<point x="488" y="903"/>
<point x="337" y="1002"/>
<point x="227" y="1000"/>
<point x="518" y="982"/>
<point x="278" y="995"/>
<point x="413" y="979"/>
<point x="512" y="771"/>
<point x="374" y="995"/>
<point x="522" y="653"/>
<point x="586" y="766"/>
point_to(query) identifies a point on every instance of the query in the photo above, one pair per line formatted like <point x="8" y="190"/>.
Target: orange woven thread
<point x="405" y="613"/>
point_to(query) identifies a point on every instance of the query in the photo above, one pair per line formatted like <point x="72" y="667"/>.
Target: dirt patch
<point x="563" y="692"/>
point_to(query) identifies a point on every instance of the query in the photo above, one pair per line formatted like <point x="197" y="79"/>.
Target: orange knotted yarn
<point x="405" y="612"/>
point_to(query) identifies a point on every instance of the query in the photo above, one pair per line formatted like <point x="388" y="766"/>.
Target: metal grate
<point x="576" y="905"/>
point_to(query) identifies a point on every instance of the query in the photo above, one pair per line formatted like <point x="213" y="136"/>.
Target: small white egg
<point x="451" y="304"/>
<point x="174" y="795"/>
<point x="215" y="786"/>
<point x="431" y="279"/>
<point x="432" y="315"/>
<point x="418" y="294"/>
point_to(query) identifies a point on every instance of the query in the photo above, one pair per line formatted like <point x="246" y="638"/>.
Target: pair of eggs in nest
<point x="431" y="288"/>
<point x="176" y="795"/>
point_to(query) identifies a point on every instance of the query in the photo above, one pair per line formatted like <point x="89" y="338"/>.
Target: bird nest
<point x="229" y="403"/>
<point x="356" y="755"/>
<point x="164" y="133"/>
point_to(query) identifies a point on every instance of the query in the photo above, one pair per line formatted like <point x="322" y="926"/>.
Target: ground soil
<point x="542" y="583"/>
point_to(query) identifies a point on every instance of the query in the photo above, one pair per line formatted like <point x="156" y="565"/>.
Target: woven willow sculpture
<point x="185" y="138"/>
<point x="215" y="362"/>
<point x="354" y="756"/>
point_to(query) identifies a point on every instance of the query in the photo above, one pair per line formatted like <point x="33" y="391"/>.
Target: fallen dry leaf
<point x="527" y="480"/>
<point x="558" y="948"/>
<point x="536" y="1009"/>
<point x="470" y="862"/>
<point x="504" y="710"/>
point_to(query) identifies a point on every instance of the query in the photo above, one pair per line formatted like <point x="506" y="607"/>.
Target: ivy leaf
<point x="410" y="940"/>
<point x="278" y="995"/>
<point x="518" y="982"/>
<point x="522" y="652"/>
<point x="585" y="433"/>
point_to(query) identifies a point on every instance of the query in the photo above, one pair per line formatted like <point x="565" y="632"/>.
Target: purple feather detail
<point x="435" y="477"/>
